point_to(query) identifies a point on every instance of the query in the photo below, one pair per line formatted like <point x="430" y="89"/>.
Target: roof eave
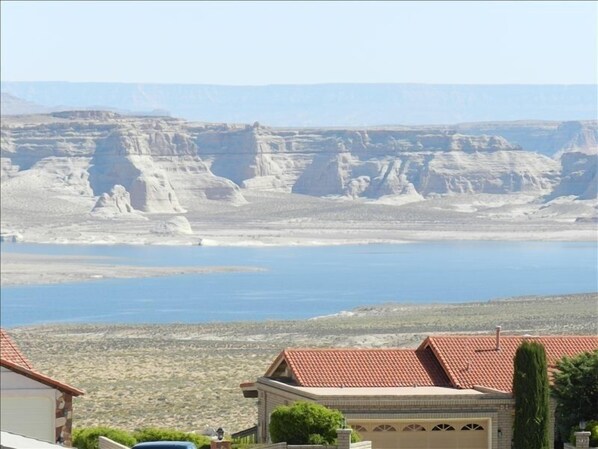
<point x="39" y="377"/>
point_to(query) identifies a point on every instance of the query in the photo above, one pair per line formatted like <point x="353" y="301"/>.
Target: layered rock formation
<point x="117" y="166"/>
<point x="147" y="157"/>
<point x="117" y="202"/>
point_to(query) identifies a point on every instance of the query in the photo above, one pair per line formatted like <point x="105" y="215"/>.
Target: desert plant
<point x="305" y="423"/>
<point x="158" y="434"/>
<point x="531" y="391"/>
<point x="88" y="437"/>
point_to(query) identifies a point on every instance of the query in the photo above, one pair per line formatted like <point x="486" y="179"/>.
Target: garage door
<point x="32" y="417"/>
<point x="428" y="434"/>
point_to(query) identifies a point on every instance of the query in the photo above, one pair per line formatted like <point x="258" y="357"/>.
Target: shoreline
<point x="20" y="269"/>
<point x="252" y="238"/>
<point x="125" y="368"/>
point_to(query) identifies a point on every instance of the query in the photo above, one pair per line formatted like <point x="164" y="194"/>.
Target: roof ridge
<point x="6" y="340"/>
<point x="441" y="360"/>
<point x="292" y="366"/>
<point x="470" y="336"/>
<point x="347" y="349"/>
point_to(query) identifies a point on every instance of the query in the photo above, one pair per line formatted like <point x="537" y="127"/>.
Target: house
<point x="450" y="392"/>
<point x="32" y="404"/>
<point x="13" y="441"/>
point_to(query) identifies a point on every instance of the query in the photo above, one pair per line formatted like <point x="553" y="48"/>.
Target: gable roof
<point x="462" y="362"/>
<point x="42" y="378"/>
<point x="359" y="368"/>
<point x="13" y="359"/>
<point x="474" y="360"/>
<point x="10" y="351"/>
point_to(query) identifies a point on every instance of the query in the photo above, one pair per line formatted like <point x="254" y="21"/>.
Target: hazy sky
<point x="300" y="42"/>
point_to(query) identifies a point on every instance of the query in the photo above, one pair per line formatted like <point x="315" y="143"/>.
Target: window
<point x="472" y="426"/>
<point x="358" y="428"/>
<point x="385" y="428"/>
<point x="414" y="428"/>
<point x="443" y="427"/>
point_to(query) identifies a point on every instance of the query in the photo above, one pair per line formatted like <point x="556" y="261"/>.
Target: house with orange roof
<point x="451" y="392"/>
<point x="32" y="404"/>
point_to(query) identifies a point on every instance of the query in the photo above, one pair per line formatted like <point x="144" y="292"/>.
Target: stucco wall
<point x="54" y="406"/>
<point x="496" y="409"/>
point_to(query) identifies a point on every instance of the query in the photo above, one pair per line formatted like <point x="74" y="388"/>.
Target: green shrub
<point x="157" y="434"/>
<point x="304" y="423"/>
<point x="316" y="438"/>
<point x="592" y="427"/>
<point x="88" y="437"/>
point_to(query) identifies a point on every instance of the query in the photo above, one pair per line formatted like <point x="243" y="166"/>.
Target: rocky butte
<point x="97" y="176"/>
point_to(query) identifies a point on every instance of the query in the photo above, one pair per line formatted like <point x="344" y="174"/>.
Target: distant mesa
<point x="323" y="105"/>
<point x="13" y="105"/>
<point x="86" y="115"/>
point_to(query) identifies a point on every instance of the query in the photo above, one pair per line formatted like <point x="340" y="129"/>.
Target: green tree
<point x="575" y="389"/>
<point x="531" y="391"/>
<point x="305" y="423"/>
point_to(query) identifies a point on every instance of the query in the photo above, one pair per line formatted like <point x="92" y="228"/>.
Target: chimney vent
<point x="498" y="338"/>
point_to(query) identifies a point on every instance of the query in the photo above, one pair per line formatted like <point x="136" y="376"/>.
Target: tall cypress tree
<point x="531" y="391"/>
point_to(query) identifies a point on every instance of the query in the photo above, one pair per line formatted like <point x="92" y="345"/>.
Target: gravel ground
<point x="188" y="376"/>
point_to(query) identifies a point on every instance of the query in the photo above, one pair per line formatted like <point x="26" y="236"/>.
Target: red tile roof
<point x="40" y="377"/>
<point x="10" y="351"/>
<point x="13" y="359"/>
<point x="474" y="360"/>
<point x="361" y="367"/>
<point x="454" y="361"/>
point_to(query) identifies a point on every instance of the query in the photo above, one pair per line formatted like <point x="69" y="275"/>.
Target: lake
<point x="299" y="282"/>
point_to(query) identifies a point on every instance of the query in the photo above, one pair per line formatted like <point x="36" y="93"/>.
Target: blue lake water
<point x="299" y="282"/>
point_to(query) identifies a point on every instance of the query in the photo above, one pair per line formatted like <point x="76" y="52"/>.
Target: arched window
<point x="358" y="428"/>
<point x="472" y="426"/>
<point x="414" y="428"/>
<point x="385" y="428"/>
<point x="442" y="427"/>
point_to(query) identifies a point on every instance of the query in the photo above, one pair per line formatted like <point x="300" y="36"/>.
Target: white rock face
<point x="495" y="172"/>
<point x="124" y="158"/>
<point x="578" y="176"/>
<point x="87" y="165"/>
<point x="428" y="173"/>
<point x="178" y="225"/>
<point x="117" y="202"/>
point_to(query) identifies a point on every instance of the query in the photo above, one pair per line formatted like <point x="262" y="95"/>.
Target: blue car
<point x="165" y="445"/>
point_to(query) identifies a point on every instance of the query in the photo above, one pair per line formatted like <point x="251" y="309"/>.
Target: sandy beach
<point x="29" y="269"/>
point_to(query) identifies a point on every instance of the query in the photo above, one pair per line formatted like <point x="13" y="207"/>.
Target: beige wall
<point x="27" y="407"/>
<point x="496" y="410"/>
<point x="33" y="409"/>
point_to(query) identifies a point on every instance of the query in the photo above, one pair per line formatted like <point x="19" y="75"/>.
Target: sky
<point x="261" y="43"/>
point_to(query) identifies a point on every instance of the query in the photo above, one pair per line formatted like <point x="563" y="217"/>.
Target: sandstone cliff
<point x="102" y="165"/>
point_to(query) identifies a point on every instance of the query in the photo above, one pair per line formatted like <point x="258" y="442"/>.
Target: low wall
<point x="362" y="445"/>
<point x="107" y="443"/>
